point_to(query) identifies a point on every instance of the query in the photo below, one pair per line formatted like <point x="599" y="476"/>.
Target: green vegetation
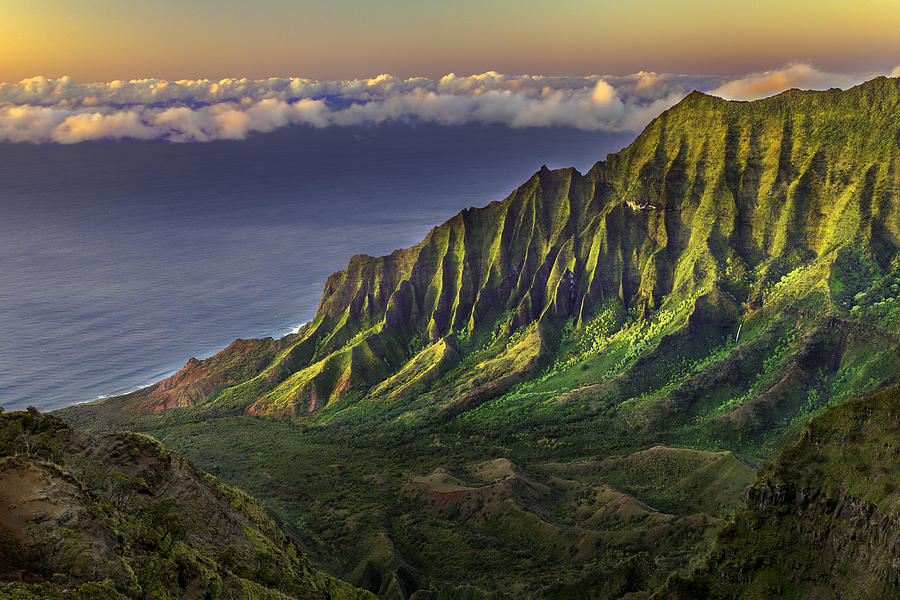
<point x="353" y="499"/>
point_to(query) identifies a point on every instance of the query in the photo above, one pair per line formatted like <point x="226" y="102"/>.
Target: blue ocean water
<point x="119" y="261"/>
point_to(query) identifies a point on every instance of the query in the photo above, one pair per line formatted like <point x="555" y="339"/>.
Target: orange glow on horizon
<point x="103" y="40"/>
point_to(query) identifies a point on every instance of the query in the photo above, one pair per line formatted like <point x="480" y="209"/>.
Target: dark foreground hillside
<point x="116" y="515"/>
<point x="822" y="520"/>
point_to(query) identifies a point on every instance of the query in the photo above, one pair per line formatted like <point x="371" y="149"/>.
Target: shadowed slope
<point x="116" y="515"/>
<point x="821" y="521"/>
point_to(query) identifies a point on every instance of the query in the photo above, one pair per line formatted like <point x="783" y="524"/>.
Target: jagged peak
<point x="698" y="94"/>
<point x="695" y="98"/>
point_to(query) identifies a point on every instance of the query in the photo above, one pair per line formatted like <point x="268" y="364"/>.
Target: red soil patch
<point x="298" y="494"/>
<point x="444" y="495"/>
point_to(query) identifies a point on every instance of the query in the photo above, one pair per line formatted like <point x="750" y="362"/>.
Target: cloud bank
<point x="40" y="110"/>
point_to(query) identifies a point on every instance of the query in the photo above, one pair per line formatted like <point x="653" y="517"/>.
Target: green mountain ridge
<point x="628" y="342"/>
<point x="721" y="216"/>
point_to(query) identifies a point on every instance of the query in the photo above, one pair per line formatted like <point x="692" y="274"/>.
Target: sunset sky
<point x="101" y="40"/>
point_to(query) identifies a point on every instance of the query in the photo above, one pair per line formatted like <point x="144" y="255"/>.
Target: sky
<point x="103" y="40"/>
<point x="202" y="70"/>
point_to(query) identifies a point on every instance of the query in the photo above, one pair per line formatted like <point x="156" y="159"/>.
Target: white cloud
<point x="29" y="123"/>
<point x="64" y="111"/>
<point x="895" y="72"/>
<point x="603" y="92"/>
<point x="799" y="75"/>
<point x="89" y="126"/>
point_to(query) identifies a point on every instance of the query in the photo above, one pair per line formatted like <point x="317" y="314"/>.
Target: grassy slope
<point x="355" y="501"/>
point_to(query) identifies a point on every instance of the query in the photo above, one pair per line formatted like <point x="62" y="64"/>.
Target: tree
<point x="123" y="487"/>
<point x="165" y="523"/>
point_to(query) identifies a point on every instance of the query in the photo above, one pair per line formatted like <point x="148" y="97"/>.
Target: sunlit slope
<point x="736" y="267"/>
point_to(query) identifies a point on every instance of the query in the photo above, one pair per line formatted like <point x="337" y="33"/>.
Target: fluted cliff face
<point x="702" y="217"/>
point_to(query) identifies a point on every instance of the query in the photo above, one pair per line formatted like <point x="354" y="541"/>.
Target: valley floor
<point x="396" y="512"/>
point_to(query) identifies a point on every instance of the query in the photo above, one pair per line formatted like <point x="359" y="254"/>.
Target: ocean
<point x="121" y="260"/>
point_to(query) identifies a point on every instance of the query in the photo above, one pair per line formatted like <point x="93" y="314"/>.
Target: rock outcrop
<point x="118" y="516"/>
